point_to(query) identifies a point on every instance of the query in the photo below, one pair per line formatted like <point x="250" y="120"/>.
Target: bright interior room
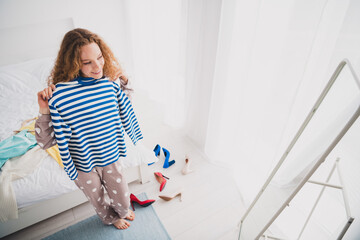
<point x="241" y="122"/>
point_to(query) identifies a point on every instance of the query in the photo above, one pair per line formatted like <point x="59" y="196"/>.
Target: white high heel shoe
<point x="186" y="169"/>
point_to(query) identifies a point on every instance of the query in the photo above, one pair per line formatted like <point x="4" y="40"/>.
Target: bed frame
<point x="35" y="213"/>
<point x="14" y="51"/>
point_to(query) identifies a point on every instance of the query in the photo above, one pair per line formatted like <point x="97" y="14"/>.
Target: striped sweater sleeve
<point x="128" y="118"/>
<point x="63" y="134"/>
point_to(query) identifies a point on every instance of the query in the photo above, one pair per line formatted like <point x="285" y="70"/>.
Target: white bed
<point x="26" y="61"/>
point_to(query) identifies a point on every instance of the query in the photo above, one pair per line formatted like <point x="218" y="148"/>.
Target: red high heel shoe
<point x="134" y="199"/>
<point x="161" y="179"/>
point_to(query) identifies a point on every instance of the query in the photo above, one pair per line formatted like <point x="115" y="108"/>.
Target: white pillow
<point x="19" y="84"/>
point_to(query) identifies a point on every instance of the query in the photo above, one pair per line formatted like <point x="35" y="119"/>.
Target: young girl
<point x="89" y="113"/>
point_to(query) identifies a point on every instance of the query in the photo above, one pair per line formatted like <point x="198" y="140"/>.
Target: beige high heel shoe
<point x="186" y="169"/>
<point x="172" y="196"/>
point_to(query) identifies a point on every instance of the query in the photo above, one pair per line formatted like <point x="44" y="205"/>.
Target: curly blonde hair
<point x="68" y="62"/>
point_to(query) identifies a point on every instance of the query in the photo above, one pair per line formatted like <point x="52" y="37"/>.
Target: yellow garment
<point x="53" y="151"/>
<point x="30" y="127"/>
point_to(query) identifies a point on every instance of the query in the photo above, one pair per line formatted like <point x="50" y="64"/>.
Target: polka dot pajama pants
<point x="109" y="178"/>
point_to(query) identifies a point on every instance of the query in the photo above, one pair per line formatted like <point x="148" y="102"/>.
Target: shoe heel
<point x="132" y="205"/>
<point x="166" y="152"/>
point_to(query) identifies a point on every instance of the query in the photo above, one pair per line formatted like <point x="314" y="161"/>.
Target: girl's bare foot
<point x="130" y="216"/>
<point x="122" y="224"/>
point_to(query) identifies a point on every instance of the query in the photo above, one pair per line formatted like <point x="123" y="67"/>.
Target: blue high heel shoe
<point x="157" y="150"/>
<point x="167" y="163"/>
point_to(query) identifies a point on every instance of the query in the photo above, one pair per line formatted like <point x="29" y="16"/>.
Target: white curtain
<point x="238" y="76"/>
<point x="156" y="35"/>
<point x="273" y="60"/>
<point x="276" y="66"/>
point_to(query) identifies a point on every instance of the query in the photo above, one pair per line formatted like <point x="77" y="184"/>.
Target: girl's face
<point x="92" y="61"/>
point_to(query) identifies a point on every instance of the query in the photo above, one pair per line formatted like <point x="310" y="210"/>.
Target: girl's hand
<point x="43" y="97"/>
<point x="119" y="74"/>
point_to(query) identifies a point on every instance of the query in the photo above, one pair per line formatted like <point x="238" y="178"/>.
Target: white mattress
<point x="50" y="180"/>
<point x="46" y="182"/>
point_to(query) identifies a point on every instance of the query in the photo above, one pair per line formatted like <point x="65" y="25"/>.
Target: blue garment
<point x="16" y="145"/>
<point x="89" y="117"/>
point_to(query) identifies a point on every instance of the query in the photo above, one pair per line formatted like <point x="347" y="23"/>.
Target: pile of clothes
<point x="19" y="156"/>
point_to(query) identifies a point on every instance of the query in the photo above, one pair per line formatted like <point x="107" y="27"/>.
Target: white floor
<point x="211" y="206"/>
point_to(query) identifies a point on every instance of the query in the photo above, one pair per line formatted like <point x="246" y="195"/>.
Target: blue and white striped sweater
<point x="88" y="117"/>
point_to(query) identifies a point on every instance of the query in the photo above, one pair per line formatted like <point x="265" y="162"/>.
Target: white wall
<point x="103" y="18"/>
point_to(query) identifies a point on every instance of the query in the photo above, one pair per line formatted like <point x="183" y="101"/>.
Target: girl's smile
<point x="92" y="61"/>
